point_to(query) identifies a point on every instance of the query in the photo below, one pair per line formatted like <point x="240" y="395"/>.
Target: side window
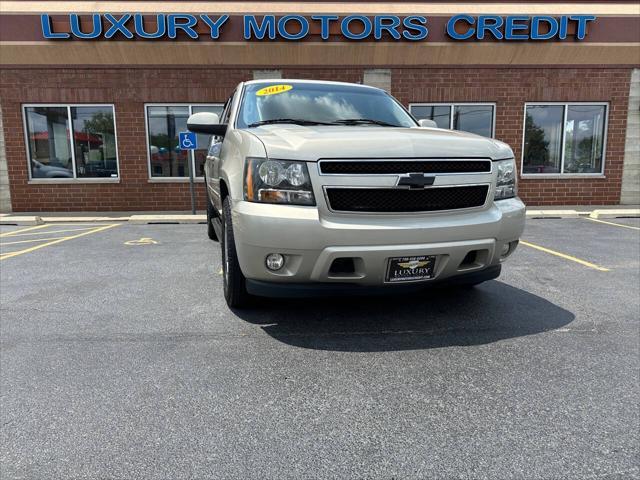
<point x="226" y="110"/>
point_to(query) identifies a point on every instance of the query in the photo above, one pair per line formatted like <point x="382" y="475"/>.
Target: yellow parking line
<point x="615" y="224"/>
<point x="13" y="232"/>
<point x="565" y="256"/>
<point x="30" y="241"/>
<point x="60" y="240"/>
<point x="52" y="231"/>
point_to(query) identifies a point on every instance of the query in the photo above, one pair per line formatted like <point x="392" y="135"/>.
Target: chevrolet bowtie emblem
<point x="415" y="180"/>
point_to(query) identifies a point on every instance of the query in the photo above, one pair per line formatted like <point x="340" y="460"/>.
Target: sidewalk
<point x="38" y="218"/>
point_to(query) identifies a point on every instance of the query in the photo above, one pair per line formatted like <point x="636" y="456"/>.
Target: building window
<point x="71" y="141"/>
<point x="164" y="123"/>
<point x="478" y="118"/>
<point x="564" y="138"/>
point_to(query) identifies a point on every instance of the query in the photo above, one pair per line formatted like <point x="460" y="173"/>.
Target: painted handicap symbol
<point x="142" y="241"/>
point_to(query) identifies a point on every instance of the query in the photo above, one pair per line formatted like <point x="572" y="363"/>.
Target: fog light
<point x="507" y="249"/>
<point x="274" y="261"/>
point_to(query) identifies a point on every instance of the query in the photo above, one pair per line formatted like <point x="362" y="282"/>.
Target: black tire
<point x="211" y="214"/>
<point x="235" y="288"/>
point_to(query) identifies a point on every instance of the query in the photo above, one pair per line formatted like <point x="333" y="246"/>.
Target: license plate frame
<point x="423" y="270"/>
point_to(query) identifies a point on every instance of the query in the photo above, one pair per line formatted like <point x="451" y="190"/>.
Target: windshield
<point x="319" y="104"/>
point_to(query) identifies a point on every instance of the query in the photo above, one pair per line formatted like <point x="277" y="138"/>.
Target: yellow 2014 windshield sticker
<point x="273" y="90"/>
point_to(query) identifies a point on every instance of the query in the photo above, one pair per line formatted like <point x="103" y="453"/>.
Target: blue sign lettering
<point x="551" y="23"/>
<point x="76" y="31"/>
<point x="415" y="23"/>
<point x="297" y="27"/>
<point x="345" y="27"/>
<point x="511" y="27"/>
<point x="161" y="28"/>
<point x="582" y="24"/>
<point x="214" y="25"/>
<point x="516" y="27"/>
<point x="386" y="23"/>
<point x="253" y="29"/>
<point x="302" y="32"/>
<point x="451" y="27"/>
<point x="47" y="32"/>
<point x="490" y="23"/>
<point x="324" y="24"/>
<point x="117" y="25"/>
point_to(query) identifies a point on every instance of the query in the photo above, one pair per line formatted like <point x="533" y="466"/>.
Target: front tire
<point x="235" y="288"/>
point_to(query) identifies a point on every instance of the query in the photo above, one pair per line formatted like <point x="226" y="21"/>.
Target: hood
<point x="311" y="143"/>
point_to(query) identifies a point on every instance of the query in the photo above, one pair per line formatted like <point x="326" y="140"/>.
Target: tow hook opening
<point x="342" y="266"/>
<point x="474" y="259"/>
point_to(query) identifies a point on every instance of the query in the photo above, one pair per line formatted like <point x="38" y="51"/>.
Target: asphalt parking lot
<point x="120" y="359"/>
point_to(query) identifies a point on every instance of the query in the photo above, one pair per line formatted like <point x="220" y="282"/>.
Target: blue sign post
<point x="189" y="141"/>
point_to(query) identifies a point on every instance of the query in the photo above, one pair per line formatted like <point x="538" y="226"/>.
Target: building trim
<point x="263" y="54"/>
<point x="274" y="7"/>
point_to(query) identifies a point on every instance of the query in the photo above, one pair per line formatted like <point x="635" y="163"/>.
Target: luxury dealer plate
<point x="410" y="269"/>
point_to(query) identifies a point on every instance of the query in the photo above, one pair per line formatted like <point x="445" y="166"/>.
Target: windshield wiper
<point x="360" y="121"/>
<point x="295" y="121"/>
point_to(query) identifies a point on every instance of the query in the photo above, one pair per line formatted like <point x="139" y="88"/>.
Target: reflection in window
<point x="543" y="139"/>
<point x="165" y="122"/>
<point x="584" y="135"/>
<point x="317" y="102"/>
<point x="438" y="113"/>
<point x="94" y="142"/>
<point x="476" y="119"/>
<point x="564" y="139"/>
<point x="473" y="118"/>
<point x="51" y="152"/>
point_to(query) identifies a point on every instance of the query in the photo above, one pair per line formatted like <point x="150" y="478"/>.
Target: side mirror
<point x="426" y="123"/>
<point x="207" y="123"/>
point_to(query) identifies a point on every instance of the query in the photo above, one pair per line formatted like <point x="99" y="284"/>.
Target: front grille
<point x="397" y="200"/>
<point x="390" y="167"/>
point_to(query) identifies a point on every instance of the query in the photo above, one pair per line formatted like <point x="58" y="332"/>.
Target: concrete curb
<point x="555" y="213"/>
<point x="84" y="219"/>
<point x="615" y="213"/>
<point x="147" y="219"/>
<point x="21" y="220"/>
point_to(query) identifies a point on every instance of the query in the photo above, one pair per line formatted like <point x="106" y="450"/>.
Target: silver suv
<point x="320" y="188"/>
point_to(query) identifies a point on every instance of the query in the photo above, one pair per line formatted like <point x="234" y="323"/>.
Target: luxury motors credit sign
<point x="297" y="27"/>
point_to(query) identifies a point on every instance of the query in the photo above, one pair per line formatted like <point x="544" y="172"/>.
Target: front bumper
<point x="310" y="243"/>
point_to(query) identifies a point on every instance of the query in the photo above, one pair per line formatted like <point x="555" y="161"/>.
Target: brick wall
<point x="130" y="89"/>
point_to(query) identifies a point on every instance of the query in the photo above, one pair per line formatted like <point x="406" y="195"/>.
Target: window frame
<point x="75" y="179"/>
<point x="192" y="158"/>
<point x="561" y="174"/>
<point x="452" y="105"/>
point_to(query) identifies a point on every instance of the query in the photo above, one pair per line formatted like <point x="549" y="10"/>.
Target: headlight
<point x="506" y="183"/>
<point x="277" y="181"/>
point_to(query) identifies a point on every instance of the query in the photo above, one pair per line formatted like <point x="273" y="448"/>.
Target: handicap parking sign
<point x="188" y="141"/>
